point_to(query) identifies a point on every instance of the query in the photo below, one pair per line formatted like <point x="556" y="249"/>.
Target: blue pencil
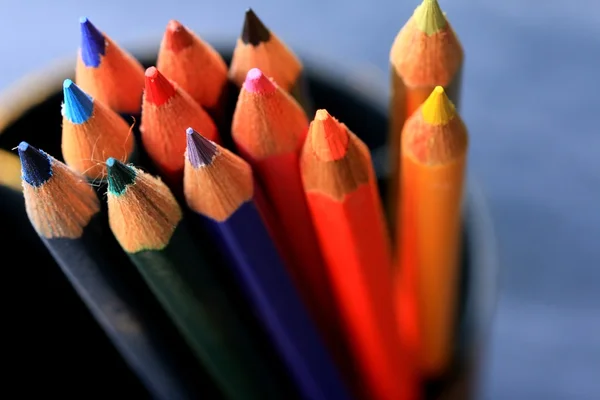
<point x="219" y="187"/>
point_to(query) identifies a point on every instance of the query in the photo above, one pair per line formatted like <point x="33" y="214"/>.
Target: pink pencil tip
<point x="257" y="82"/>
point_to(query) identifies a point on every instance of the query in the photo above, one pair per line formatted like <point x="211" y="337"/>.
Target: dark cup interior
<point x="41" y="127"/>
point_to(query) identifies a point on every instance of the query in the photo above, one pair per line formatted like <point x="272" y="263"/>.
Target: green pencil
<point x="147" y="221"/>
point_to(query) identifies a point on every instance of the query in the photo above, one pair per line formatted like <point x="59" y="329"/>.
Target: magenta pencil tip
<point x="257" y="82"/>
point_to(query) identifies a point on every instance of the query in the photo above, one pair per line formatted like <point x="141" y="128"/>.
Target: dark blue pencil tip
<point x="93" y="44"/>
<point x="36" y="167"/>
<point x="78" y="105"/>
<point x="119" y="176"/>
<point x="200" y="150"/>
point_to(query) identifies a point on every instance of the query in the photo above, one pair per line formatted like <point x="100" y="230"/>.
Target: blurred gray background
<point x="530" y="99"/>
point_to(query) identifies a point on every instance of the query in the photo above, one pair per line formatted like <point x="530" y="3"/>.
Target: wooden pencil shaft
<point x="262" y="276"/>
<point x="197" y="304"/>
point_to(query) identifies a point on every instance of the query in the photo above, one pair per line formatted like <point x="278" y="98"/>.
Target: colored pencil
<point x="10" y="171"/>
<point x="147" y="221"/>
<point x="269" y="128"/>
<point x="195" y="66"/>
<point x="342" y="194"/>
<point x="426" y="53"/>
<point x="167" y="111"/>
<point x="219" y="187"/>
<point x="92" y="132"/>
<point x="258" y="47"/>
<point x="434" y="147"/>
<point x="65" y="212"/>
<point x="107" y="72"/>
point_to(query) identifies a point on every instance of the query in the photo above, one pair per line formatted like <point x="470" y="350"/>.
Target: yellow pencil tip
<point x="429" y="18"/>
<point x="438" y="109"/>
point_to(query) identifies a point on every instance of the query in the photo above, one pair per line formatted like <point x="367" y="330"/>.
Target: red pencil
<point x="167" y="111"/>
<point x="341" y="188"/>
<point x="195" y="66"/>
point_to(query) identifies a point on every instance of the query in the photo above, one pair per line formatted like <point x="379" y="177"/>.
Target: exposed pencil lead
<point x="119" y="176"/>
<point x="35" y="165"/>
<point x="329" y="138"/>
<point x="158" y="88"/>
<point x="429" y="17"/>
<point x="438" y="109"/>
<point x="254" y="31"/>
<point x="78" y="105"/>
<point x="177" y="37"/>
<point x="200" y="151"/>
<point x="257" y="82"/>
<point x="93" y="44"/>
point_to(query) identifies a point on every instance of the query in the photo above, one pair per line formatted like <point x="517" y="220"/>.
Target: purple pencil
<point x="219" y="188"/>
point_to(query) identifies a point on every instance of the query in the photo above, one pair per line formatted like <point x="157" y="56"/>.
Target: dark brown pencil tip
<point x="254" y="31"/>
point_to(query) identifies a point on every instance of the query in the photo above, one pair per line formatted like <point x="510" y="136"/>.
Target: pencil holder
<point x="30" y="111"/>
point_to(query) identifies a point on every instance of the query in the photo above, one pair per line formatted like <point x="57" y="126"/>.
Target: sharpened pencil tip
<point x="158" y="88"/>
<point x="119" y="176"/>
<point x="78" y="106"/>
<point x="36" y="168"/>
<point x="438" y="109"/>
<point x="93" y="44"/>
<point x="177" y="37"/>
<point x="328" y="137"/>
<point x="254" y="31"/>
<point x="257" y="82"/>
<point x="429" y="17"/>
<point x="200" y="151"/>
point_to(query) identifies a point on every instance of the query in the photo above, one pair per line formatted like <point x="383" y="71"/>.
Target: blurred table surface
<point x="531" y="77"/>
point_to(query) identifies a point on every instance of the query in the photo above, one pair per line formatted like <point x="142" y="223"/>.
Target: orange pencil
<point x="167" y="111"/>
<point x="342" y="195"/>
<point x="269" y="128"/>
<point x="434" y="150"/>
<point x="108" y="73"/>
<point x="92" y="132"/>
<point x="259" y="48"/>
<point x="195" y="66"/>
<point x="426" y="53"/>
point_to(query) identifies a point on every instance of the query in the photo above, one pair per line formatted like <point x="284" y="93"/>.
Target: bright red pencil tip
<point x="177" y="37"/>
<point x="158" y="88"/>
<point x="257" y="82"/>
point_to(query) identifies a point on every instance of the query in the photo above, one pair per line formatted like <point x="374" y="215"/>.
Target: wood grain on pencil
<point x="426" y="53"/>
<point x="434" y="148"/>
<point x="343" y="199"/>
<point x="107" y="72"/>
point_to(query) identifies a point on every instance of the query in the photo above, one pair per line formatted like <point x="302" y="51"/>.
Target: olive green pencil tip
<point x="119" y="176"/>
<point x="429" y="17"/>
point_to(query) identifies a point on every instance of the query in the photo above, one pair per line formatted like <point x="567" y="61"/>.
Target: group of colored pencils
<point x="256" y="222"/>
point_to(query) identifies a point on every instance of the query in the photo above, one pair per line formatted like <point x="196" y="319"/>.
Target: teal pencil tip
<point x="119" y="176"/>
